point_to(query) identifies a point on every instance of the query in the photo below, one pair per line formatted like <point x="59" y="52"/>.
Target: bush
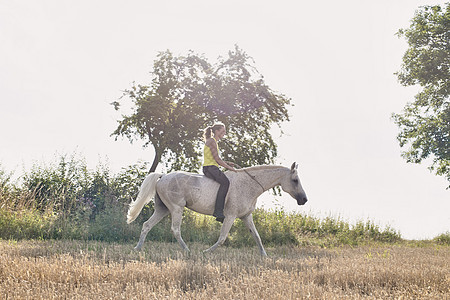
<point x="66" y="200"/>
<point x="110" y="225"/>
<point x="28" y="224"/>
<point x="443" y="239"/>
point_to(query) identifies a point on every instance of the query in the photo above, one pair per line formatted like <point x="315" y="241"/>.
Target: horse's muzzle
<point x="301" y="199"/>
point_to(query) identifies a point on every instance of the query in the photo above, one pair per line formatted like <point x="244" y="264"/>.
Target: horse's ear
<point x="294" y="167"/>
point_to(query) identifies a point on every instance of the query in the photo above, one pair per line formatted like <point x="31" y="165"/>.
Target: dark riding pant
<point x="214" y="173"/>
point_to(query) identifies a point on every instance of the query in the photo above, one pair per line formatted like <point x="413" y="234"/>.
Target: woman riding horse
<point x="211" y="162"/>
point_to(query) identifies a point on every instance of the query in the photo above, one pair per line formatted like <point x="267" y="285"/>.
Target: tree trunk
<point x="155" y="161"/>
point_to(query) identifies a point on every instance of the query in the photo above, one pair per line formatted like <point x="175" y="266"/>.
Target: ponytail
<point x="211" y="129"/>
<point x="207" y="133"/>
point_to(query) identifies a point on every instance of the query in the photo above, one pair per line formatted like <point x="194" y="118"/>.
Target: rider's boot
<point x="218" y="210"/>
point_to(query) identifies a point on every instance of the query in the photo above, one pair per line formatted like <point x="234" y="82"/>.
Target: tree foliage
<point x="425" y="123"/>
<point x="187" y="94"/>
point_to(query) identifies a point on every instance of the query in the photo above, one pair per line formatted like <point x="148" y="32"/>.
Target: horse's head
<point x="291" y="184"/>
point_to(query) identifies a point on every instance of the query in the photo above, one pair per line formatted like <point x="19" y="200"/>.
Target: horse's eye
<point x="295" y="181"/>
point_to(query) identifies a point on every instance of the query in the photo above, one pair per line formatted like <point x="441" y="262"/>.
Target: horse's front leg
<point x="248" y="221"/>
<point x="227" y="223"/>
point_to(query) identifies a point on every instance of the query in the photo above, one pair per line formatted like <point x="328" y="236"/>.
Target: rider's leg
<point x="213" y="172"/>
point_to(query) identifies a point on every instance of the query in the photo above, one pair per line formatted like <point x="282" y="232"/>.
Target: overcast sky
<point x="63" y="62"/>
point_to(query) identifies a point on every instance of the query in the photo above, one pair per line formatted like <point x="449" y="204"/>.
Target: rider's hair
<point x="211" y="129"/>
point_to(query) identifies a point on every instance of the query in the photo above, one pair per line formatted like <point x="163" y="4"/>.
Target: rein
<point x="251" y="176"/>
<point x="239" y="167"/>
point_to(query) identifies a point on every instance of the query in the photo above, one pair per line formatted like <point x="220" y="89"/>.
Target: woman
<point x="211" y="162"/>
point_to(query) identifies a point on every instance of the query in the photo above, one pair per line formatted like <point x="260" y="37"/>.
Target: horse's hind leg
<point x="177" y="215"/>
<point x="160" y="212"/>
<point x="248" y="221"/>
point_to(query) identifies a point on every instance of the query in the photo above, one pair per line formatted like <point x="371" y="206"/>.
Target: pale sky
<point x="63" y="62"/>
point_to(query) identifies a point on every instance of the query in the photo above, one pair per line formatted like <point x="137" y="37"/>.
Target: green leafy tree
<point x="187" y="93"/>
<point x="425" y="123"/>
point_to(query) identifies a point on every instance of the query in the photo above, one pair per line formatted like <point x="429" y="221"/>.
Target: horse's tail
<point x="146" y="193"/>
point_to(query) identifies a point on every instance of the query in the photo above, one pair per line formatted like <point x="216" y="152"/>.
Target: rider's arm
<point x="213" y="146"/>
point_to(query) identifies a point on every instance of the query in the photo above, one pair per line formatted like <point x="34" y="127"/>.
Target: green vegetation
<point x="425" y="122"/>
<point x="188" y="93"/>
<point x="443" y="239"/>
<point x="66" y="200"/>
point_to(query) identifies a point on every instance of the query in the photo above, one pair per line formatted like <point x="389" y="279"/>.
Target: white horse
<point x="178" y="190"/>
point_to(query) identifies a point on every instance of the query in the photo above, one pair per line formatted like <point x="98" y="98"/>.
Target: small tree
<point x="187" y="94"/>
<point x="425" y="122"/>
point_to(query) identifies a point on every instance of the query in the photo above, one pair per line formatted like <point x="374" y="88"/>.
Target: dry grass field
<point x="95" y="270"/>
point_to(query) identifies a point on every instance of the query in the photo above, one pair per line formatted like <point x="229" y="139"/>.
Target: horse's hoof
<point x="209" y="250"/>
<point x="137" y="248"/>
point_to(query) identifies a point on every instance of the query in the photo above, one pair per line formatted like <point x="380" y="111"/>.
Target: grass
<point x="275" y="227"/>
<point x="67" y="200"/>
<point x="63" y="235"/>
<point x="91" y="269"/>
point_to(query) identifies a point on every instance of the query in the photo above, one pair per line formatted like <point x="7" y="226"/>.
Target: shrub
<point x="110" y="225"/>
<point x="443" y="238"/>
<point x="66" y="200"/>
<point x="27" y="224"/>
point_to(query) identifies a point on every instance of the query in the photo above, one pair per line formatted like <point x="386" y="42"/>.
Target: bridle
<point x="250" y="175"/>
<point x="239" y="167"/>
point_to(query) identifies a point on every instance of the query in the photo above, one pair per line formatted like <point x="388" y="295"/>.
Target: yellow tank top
<point x="208" y="159"/>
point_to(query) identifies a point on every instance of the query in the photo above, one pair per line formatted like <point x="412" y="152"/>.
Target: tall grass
<point x="66" y="200"/>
